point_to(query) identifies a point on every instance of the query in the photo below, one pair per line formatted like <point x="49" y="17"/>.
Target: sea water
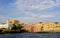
<point x="31" y="35"/>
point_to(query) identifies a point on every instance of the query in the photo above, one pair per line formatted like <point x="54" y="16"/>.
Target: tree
<point x="14" y="27"/>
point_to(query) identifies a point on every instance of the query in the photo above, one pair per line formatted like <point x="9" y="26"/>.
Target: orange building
<point x="37" y="27"/>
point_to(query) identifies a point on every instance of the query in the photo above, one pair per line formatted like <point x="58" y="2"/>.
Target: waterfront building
<point x="7" y="25"/>
<point x="51" y="27"/>
<point x="48" y="26"/>
<point x="57" y="27"/>
<point x="27" y="27"/>
<point x="37" y="27"/>
<point x="43" y="27"/>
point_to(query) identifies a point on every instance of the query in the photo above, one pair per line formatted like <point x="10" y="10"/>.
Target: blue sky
<point x="30" y="10"/>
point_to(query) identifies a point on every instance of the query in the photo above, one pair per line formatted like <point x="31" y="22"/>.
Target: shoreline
<point x="30" y="32"/>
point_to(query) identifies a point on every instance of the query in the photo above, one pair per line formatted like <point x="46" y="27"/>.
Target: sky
<point x="30" y="10"/>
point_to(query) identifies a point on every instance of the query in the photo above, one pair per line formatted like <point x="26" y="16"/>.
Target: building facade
<point x="6" y="26"/>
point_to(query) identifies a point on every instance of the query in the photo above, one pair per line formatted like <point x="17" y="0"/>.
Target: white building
<point x="7" y="25"/>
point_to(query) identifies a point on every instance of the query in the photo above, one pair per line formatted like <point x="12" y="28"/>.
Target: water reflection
<point x="30" y="35"/>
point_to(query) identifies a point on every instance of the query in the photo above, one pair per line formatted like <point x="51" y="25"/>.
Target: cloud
<point x="39" y="15"/>
<point x="43" y="5"/>
<point x="23" y="18"/>
<point x="46" y="16"/>
<point x="31" y="14"/>
<point x="33" y="17"/>
<point x="57" y="3"/>
<point x="36" y="4"/>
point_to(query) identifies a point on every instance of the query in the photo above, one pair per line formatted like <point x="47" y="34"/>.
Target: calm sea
<point x="31" y="35"/>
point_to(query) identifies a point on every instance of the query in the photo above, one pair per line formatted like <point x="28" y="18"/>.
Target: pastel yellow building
<point x="51" y="27"/>
<point x="57" y="27"/>
<point x="48" y="27"/>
